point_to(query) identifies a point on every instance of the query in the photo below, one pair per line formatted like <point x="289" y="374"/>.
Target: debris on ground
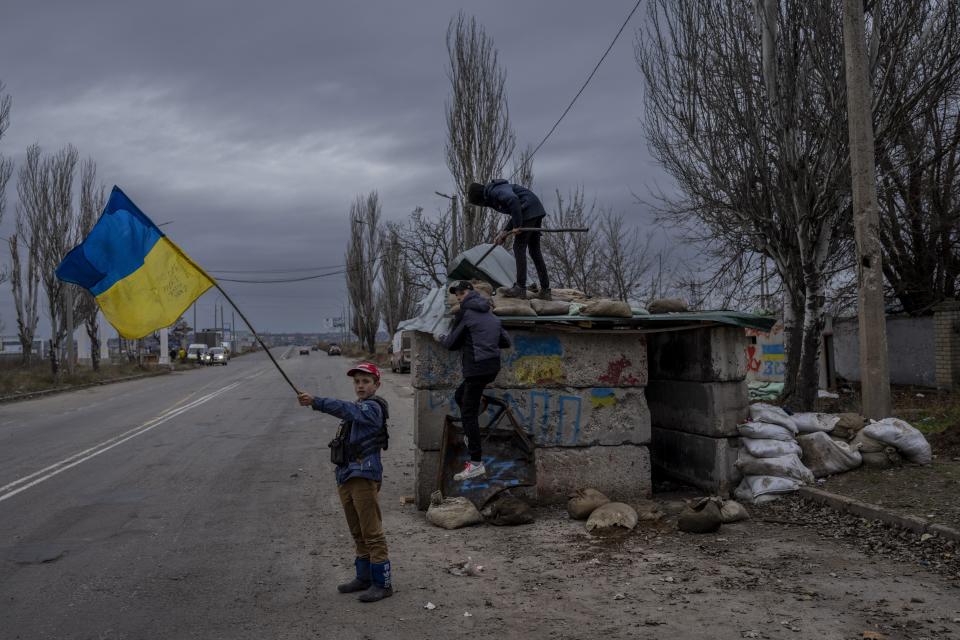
<point x="465" y="569"/>
<point x="429" y="606"/>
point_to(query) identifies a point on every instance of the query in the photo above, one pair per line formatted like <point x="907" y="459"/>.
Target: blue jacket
<point x="515" y="200"/>
<point x="479" y="336"/>
<point x="365" y="418"/>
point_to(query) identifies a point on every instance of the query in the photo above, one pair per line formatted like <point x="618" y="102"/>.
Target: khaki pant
<point x="360" y="505"/>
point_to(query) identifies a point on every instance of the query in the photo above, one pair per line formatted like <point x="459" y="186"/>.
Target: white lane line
<point x="11" y="489"/>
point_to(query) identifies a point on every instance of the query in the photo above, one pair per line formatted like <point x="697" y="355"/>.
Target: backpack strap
<point x="377" y="440"/>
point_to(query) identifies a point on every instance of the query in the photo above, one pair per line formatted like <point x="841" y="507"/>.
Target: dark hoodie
<point x="479" y="336"/>
<point x="515" y="200"/>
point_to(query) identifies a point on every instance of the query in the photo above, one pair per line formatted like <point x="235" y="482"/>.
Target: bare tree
<point x="6" y="164"/>
<point x="523" y="168"/>
<point x="479" y="137"/>
<point x="45" y="187"/>
<point x="93" y="197"/>
<point x="745" y="107"/>
<point x="574" y="260"/>
<point x="396" y="295"/>
<point x="427" y="248"/>
<point x="625" y="257"/>
<point x="362" y="266"/>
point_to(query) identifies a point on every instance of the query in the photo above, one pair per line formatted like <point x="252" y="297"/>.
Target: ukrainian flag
<point x="141" y="280"/>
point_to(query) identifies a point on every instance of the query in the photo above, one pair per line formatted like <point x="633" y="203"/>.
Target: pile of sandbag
<point x="769" y="455"/>
<point x="604" y="516"/>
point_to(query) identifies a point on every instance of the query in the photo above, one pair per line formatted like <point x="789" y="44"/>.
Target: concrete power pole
<point x="874" y="367"/>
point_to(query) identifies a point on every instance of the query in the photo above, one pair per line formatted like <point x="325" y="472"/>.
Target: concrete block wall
<point x="946" y="338"/>
<point x="579" y="395"/>
<point x="697" y="395"/>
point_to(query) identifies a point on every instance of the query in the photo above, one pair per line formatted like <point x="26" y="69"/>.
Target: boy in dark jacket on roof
<point x="356" y="452"/>
<point x="479" y="336"/>
<point x="525" y="211"/>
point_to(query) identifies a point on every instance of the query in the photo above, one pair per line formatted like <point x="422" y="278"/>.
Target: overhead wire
<point x="583" y="87"/>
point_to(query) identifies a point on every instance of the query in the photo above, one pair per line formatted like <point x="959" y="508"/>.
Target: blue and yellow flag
<point x="141" y="280"/>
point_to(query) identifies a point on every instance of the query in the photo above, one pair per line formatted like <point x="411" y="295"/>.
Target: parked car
<point x="400" y="353"/>
<point x="304" y="351"/>
<point x="217" y="355"/>
<point x="334" y="350"/>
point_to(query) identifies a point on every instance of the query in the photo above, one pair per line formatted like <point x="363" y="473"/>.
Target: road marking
<point x="12" y="489"/>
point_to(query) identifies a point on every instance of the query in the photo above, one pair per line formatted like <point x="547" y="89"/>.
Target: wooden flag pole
<point x="257" y="336"/>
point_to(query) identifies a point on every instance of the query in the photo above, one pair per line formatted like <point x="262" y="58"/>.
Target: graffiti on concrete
<point x="765" y="358"/>
<point x="549" y="416"/>
<point x="537" y="359"/>
<point x="617" y="373"/>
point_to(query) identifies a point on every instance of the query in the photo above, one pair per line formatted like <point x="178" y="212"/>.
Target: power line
<point x="584" y="86"/>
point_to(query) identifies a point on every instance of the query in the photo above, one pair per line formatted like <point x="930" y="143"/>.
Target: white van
<point x="195" y="350"/>
<point x="400" y="353"/>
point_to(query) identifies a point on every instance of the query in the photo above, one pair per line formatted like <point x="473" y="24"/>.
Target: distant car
<point x="217" y="355"/>
<point x="195" y="351"/>
<point x="400" y="353"/>
<point x="313" y="348"/>
<point x="304" y="351"/>
<point x="334" y="350"/>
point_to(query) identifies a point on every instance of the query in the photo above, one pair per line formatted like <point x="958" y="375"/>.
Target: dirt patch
<point x="928" y="492"/>
<point x="946" y="442"/>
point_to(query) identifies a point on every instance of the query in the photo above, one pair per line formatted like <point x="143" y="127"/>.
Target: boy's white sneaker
<point x="471" y="470"/>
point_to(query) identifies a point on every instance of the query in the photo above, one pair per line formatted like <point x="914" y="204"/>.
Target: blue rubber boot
<point x="381" y="587"/>
<point x="362" y="581"/>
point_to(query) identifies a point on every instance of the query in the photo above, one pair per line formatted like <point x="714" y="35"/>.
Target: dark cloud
<point x="252" y="126"/>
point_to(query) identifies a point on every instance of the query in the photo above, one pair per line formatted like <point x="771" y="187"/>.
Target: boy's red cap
<point x="365" y="367"/>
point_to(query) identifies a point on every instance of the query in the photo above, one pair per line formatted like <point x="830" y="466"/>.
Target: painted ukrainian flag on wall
<point x="141" y="280"/>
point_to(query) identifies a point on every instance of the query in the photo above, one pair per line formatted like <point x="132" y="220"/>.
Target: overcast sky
<point x="253" y="125"/>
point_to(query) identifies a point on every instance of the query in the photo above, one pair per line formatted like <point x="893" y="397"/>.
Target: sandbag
<point x="568" y="295"/>
<point x="647" y="511"/>
<point x="763" y="448"/>
<point x="452" y="513"/>
<point x="760" y="489"/>
<point x="607" y="309"/>
<point x="550" y="307"/>
<point x="667" y="305"/>
<point x="886" y="459"/>
<point x="763" y="412"/>
<point x="733" y="511"/>
<point x="612" y="514"/>
<point x="826" y="456"/>
<point x="582" y="503"/>
<point x="507" y="510"/>
<point x="788" y="466"/>
<point x="904" y="438"/>
<point x="811" y="422"/>
<point x="865" y="444"/>
<point x="485" y="289"/>
<point x="765" y="431"/>
<point x="848" y="425"/>
<point x="503" y="306"/>
<point x="701" y="517"/>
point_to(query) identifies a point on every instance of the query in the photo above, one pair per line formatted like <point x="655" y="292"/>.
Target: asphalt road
<point x="199" y="504"/>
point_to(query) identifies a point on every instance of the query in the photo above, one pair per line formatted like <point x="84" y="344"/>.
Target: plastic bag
<point x="760" y="489"/>
<point x="901" y="436"/>
<point x="825" y="456"/>
<point x="765" y="431"/>
<point x="812" y="422"/>
<point x="763" y="448"/>
<point x="763" y="412"/>
<point x="788" y="466"/>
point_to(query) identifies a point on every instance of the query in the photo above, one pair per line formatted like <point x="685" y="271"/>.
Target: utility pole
<point x="874" y="367"/>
